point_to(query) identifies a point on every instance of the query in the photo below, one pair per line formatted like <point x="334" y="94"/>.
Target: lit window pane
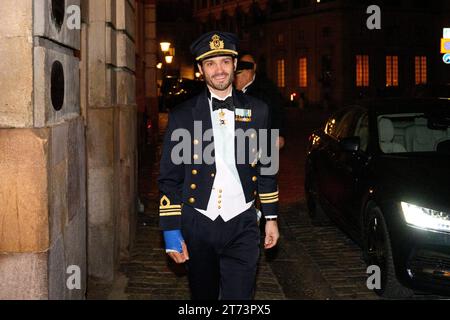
<point x="362" y="71"/>
<point x="395" y="71"/>
<point x="388" y="71"/>
<point x="280" y="73"/>
<point x="303" y="72"/>
<point x="417" y="70"/>
<point x="366" y="71"/>
<point x="424" y="70"/>
<point x="421" y="70"/>
<point x="392" y="71"/>
<point x="358" y="71"/>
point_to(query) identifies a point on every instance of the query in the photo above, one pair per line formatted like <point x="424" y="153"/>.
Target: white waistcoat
<point x="227" y="197"/>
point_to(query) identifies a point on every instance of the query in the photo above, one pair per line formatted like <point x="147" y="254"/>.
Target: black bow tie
<point x="223" y="104"/>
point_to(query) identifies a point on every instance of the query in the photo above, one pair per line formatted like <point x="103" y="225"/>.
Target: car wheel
<point x="378" y="252"/>
<point x="315" y="211"/>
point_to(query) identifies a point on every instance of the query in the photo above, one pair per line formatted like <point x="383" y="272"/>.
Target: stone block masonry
<point x="42" y="153"/>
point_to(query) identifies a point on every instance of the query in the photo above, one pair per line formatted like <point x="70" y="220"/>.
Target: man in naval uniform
<point x="207" y="210"/>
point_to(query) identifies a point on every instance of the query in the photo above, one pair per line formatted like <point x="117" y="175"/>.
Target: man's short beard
<point x="221" y="87"/>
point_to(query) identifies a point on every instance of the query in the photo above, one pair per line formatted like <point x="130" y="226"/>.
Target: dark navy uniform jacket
<point x="190" y="183"/>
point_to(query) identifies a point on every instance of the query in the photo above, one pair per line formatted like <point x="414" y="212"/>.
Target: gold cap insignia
<point x="216" y="43"/>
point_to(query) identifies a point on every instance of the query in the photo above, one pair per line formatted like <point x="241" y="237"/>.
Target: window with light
<point x="303" y="72"/>
<point x="421" y="70"/>
<point x="281" y="73"/>
<point x="391" y="71"/>
<point x="362" y="70"/>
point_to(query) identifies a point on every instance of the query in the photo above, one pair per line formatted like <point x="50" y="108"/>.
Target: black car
<point x="381" y="172"/>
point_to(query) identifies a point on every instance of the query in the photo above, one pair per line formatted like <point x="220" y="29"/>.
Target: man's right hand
<point x="180" y="257"/>
<point x="175" y="246"/>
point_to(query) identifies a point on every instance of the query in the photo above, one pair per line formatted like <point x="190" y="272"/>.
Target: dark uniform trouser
<point x="223" y="256"/>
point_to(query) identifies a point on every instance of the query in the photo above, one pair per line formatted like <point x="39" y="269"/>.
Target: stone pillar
<point x="140" y="82"/>
<point x="109" y="80"/>
<point x="42" y="152"/>
<point x="126" y="102"/>
<point x="151" y="55"/>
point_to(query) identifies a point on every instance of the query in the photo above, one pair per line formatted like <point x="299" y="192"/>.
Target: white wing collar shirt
<point x="227" y="198"/>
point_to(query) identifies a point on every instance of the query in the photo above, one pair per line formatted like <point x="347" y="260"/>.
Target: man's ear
<point x="235" y="64"/>
<point x="199" y="65"/>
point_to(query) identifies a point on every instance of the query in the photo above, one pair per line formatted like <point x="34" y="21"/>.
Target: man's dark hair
<point x="224" y="55"/>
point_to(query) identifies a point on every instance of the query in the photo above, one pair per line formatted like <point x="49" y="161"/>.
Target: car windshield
<point x="414" y="133"/>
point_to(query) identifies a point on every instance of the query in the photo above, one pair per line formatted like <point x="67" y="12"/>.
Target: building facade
<point x="324" y="53"/>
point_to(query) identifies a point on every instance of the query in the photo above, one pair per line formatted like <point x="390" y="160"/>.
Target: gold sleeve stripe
<point x="275" y="196"/>
<point x="169" y="211"/>
<point x="170" y="214"/>
<point x="171" y="208"/>
<point x="267" y="197"/>
<point x="268" y="194"/>
<point x="269" y="201"/>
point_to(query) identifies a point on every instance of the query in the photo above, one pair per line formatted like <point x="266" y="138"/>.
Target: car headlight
<point x="426" y="218"/>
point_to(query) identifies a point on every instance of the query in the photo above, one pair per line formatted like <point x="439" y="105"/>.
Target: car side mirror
<point x="351" y="144"/>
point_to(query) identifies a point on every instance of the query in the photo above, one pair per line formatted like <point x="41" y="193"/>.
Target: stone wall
<point x="68" y="140"/>
<point x="151" y="55"/>
<point x="42" y="152"/>
<point x="108" y="77"/>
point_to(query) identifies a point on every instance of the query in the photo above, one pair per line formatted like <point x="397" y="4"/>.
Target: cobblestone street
<point x="310" y="262"/>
